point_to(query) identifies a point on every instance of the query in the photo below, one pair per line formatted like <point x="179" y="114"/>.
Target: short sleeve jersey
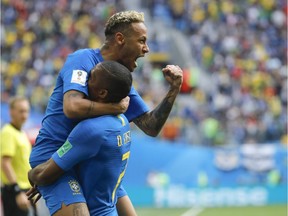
<point x="100" y="148"/>
<point x="15" y="144"/>
<point x="55" y="125"/>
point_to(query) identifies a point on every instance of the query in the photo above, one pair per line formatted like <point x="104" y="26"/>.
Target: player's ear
<point x="103" y="93"/>
<point x="119" y="37"/>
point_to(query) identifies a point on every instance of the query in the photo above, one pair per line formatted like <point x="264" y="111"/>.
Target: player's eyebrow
<point x="143" y="38"/>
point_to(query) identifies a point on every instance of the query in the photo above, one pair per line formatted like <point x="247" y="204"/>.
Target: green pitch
<point x="275" y="210"/>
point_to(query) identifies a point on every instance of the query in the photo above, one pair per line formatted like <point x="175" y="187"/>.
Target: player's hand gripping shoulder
<point x="121" y="107"/>
<point x="174" y="76"/>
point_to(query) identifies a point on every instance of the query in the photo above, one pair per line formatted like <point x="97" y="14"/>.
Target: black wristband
<point x="16" y="189"/>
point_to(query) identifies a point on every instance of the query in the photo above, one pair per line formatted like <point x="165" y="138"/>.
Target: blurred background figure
<point x="15" y="151"/>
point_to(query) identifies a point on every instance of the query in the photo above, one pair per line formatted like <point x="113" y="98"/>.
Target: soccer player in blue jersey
<point x="100" y="147"/>
<point x="126" y="40"/>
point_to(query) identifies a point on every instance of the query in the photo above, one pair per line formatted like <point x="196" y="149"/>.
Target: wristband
<point x="16" y="189"/>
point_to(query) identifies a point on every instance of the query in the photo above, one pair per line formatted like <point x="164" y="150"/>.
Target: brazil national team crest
<point x="75" y="187"/>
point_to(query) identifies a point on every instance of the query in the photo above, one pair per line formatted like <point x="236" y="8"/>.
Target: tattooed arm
<point x="152" y="122"/>
<point x="75" y="105"/>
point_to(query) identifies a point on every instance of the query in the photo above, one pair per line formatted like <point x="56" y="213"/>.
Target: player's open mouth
<point x="135" y="61"/>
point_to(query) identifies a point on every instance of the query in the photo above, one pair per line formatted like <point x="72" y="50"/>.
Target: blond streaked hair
<point x="121" y="21"/>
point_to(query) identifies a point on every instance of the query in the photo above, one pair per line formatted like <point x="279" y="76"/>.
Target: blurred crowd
<point x="240" y="47"/>
<point x="38" y="35"/>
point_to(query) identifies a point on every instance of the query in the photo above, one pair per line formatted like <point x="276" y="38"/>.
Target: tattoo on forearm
<point x="79" y="209"/>
<point x="155" y="120"/>
<point x="161" y="113"/>
<point x="75" y="94"/>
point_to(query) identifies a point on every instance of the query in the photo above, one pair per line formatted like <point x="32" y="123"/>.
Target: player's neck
<point x="108" y="52"/>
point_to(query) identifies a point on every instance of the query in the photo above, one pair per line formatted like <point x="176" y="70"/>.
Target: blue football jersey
<point x="55" y="125"/>
<point x="100" y="149"/>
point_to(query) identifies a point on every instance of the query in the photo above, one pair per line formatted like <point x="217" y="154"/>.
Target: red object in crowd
<point x="186" y="87"/>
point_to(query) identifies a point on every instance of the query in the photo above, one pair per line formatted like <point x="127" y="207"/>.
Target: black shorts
<point x="9" y="204"/>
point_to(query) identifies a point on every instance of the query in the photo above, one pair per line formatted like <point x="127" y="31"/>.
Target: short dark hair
<point x="115" y="78"/>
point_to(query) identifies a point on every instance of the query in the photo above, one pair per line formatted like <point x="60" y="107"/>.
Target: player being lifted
<point x="126" y="40"/>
